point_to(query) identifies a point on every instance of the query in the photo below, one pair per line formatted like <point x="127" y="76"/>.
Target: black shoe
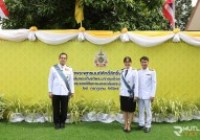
<point x="147" y="130"/>
<point x="57" y="126"/>
<point x="62" y="125"/>
<point x="140" y="127"/>
<point x="125" y="130"/>
<point x="128" y="131"/>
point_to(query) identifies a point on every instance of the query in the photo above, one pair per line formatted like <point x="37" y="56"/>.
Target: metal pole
<point x="81" y="24"/>
<point x="174" y="8"/>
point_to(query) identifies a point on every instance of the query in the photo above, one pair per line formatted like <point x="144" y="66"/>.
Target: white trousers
<point x="145" y="105"/>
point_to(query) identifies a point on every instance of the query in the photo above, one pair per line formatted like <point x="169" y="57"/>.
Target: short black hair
<point x="127" y="58"/>
<point x="144" y="58"/>
<point x="63" y="53"/>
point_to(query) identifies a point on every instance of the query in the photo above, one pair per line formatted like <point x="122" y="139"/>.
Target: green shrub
<point x="82" y="106"/>
<point x="161" y="108"/>
<point x="2" y="107"/>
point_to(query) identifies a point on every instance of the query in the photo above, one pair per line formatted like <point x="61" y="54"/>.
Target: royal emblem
<point x="100" y="59"/>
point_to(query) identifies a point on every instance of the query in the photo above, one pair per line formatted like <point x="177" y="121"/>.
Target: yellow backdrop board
<point x="24" y="68"/>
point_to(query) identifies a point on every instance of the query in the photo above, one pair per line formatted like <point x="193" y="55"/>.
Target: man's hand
<point x="152" y="99"/>
<point x="50" y="95"/>
<point x="136" y="98"/>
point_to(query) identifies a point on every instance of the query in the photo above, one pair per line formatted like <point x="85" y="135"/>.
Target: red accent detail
<point x="167" y="13"/>
<point x="170" y="1"/>
<point x="4" y="8"/>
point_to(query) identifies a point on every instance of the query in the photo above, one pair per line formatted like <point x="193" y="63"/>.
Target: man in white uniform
<point x="146" y="93"/>
<point x="61" y="87"/>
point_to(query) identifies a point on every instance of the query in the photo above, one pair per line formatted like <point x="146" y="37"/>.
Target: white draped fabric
<point x="100" y="40"/>
<point x="81" y="36"/>
<point x="176" y="38"/>
<point x="149" y="41"/>
<point x="31" y="36"/>
<point x="124" y="37"/>
<point x="14" y="35"/>
<point x="190" y="40"/>
<point x="56" y="38"/>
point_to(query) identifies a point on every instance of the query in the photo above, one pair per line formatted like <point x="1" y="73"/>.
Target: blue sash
<point x="130" y="90"/>
<point x="62" y="77"/>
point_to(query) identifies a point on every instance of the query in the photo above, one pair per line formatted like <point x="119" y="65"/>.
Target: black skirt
<point x="127" y="104"/>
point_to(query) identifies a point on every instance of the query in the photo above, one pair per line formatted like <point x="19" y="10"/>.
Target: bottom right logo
<point x="186" y="131"/>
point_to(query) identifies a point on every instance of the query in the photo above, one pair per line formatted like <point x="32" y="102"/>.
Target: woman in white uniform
<point x="128" y="90"/>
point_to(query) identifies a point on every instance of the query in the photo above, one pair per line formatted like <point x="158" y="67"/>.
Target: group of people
<point x="137" y="87"/>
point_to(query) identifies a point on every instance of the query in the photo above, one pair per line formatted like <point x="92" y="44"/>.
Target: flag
<point x="3" y="10"/>
<point x="79" y="15"/>
<point x="168" y="11"/>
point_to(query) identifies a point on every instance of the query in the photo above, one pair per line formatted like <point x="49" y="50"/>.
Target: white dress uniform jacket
<point x="132" y="79"/>
<point x="56" y="85"/>
<point x="147" y="83"/>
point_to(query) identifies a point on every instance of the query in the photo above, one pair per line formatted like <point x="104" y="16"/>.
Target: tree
<point x="45" y="14"/>
<point x="99" y="14"/>
<point x="117" y="14"/>
<point x="183" y="12"/>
